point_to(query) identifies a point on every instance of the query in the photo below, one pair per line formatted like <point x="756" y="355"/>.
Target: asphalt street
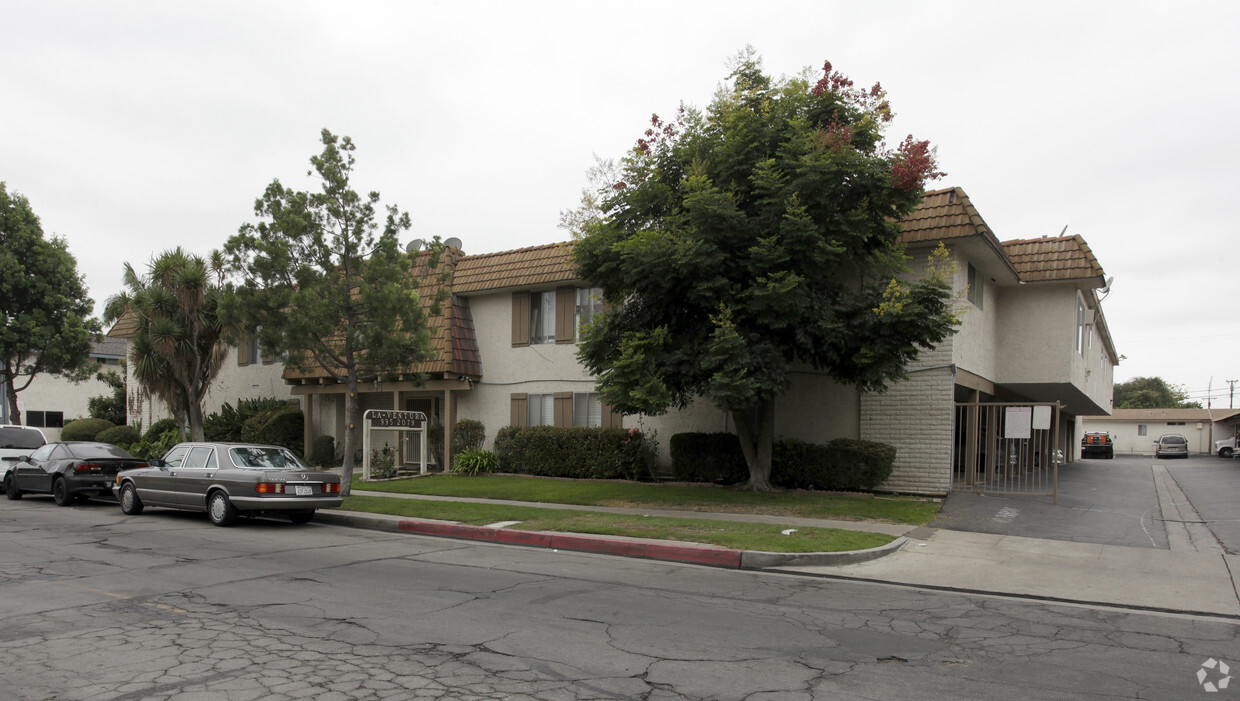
<point x="98" y="605"/>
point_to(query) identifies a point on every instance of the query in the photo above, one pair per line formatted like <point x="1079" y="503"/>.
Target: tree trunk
<point x="350" y="420"/>
<point x="10" y="396"/>
<point x="756" y="430"/>
<point x="194" y="411"/>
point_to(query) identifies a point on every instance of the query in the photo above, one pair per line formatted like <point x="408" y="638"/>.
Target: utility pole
<point x="1231" y="394"/>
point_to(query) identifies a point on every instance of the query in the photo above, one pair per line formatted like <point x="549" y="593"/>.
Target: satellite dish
<point x="414" y="246"/>
<point x="453" y="242"/>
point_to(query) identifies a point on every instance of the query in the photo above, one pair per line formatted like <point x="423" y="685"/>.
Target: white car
<point x="1225" y="448"/>
<point x="16" y="442"/>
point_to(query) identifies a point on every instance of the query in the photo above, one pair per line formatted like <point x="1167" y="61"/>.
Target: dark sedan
<point x="228" y="480"/>
<point x="68" y="470"/>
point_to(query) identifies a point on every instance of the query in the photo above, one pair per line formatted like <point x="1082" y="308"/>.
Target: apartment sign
<point x="1018" y="422"/>
<point x="395" y="419"/>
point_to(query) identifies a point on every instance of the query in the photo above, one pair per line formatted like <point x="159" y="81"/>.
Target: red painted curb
<point x="717" y="557"/>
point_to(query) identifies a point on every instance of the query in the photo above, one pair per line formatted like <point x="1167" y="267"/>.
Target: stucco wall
<point x="51" y="393"/>
<point x="1125" y="435"/>
<point x="973" y="346"/>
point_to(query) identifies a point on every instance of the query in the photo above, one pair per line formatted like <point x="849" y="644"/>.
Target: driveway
<point x="1107" y="502"/>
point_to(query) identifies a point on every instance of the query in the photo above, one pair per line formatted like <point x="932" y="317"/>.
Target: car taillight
<point x="269" y="488"/>
<point x="87" y="467"/>
<point x="331" y="487"/>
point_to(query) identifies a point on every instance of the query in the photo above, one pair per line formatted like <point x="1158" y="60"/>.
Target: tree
<point x="47" y="324"/>
<point x="756" y="235"/>
<point x="319" y="280"/>
<point x="178" y="345"/>
<point x="110" y="407"/>
<point x="1150" y="393"/>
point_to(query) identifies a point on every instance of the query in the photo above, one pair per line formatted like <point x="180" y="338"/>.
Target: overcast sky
<point x="137" y="126"/>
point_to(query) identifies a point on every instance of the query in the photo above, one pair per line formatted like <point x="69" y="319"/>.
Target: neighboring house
<point x="50" y="402"/>
<point x="1134" y="431"/>
<point x="1032" y="331"/>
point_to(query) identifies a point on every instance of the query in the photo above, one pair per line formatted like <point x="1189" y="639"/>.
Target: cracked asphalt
<point x="98" y="605"/>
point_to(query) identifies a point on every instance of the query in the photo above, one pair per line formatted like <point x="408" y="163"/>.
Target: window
<point x="1176" y="423"/>
<point x="1142" y="430"/>
<point x="542" y="317"/>
<point x="1080" y="326"/>
<point x="200" y="456"/>
<point x="45" y="419"/>
<point x="975" y="287"/>
<point x="587" y="410"/>
<point x="589" y="304"/>
<point x="540" y="410"/>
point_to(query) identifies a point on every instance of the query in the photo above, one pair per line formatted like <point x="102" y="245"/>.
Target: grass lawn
<point x="705" y="498"/>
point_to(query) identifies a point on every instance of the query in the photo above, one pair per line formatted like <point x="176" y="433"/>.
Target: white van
<point x="17" y="442"/>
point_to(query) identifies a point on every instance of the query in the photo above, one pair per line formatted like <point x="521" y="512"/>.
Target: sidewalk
<point x="1186" y="579"/>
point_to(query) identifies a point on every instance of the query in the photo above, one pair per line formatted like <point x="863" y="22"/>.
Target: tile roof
<point x="125" y="327"/>
<point x="1054" y="259"/>
<point x="944" y="215"/>
<point x="524" y="267"/>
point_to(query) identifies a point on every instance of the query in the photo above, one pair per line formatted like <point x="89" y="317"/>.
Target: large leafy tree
<point x="1151" y="393"/>
<point x="47" y="324"/>
<point x="322" y="280"/>
<point x="178" y="345"/>
<point x="753" y="236"/>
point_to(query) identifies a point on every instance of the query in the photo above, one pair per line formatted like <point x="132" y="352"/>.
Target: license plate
<point x="303" y="490"/>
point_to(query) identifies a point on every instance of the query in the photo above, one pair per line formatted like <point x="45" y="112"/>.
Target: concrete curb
<point x="668" y="551"/>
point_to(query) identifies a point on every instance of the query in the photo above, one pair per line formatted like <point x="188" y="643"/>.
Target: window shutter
<point x="243" y="348"/>
<point x="563" y="409"/>
<point x="520" y="319"/>
<point x="520" y="410"/>
<point x="565" y="316"/>
<point x="611" y="419"/>
<point x="269" y="359"/>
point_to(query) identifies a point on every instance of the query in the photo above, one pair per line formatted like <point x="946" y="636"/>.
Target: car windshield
<point x="256" y="456"/>
<point x="1174" y="439"/>
<point x="98" y="450"/>
<point x="20" y="438"/>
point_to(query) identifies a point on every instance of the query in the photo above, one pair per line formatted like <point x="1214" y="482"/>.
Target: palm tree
<point x="178" y="347"/>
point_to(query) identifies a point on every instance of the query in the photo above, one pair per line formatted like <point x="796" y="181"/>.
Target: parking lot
<point x="1109" y="502"/>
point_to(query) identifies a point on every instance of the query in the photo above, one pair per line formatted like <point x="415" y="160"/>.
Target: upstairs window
<point x="589" y="304"/>
<point x="542" y="317"/>
<point x="975" y="287"/>
<point x="1080" y="326"/>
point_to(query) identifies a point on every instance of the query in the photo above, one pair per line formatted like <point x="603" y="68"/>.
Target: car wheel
<point x="300" y="516"/>
<point x="60" y="492"/>
<point x="10" y="488"/>
<point x="1225" y="453"/>
<point x="220" y="509"/>
<point x="131" y="505"/>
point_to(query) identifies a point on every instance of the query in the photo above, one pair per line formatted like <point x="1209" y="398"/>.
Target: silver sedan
<point x="227" y="480"/>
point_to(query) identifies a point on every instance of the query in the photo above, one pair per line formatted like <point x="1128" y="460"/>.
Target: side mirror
<point x="157" y="462"/>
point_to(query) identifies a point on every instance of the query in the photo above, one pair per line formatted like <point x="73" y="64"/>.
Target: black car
<point x="68" y="470"/>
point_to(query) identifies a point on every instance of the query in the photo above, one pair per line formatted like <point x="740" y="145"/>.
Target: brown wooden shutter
<point x="563" y="409"/>
<point x="565" y="315"/>
<point x="612" y="419"/>
<point x="269" y="359"/>
<point x="520" y="410"/>
<point x="520" y="319"/>
<point x="243" y="350"/>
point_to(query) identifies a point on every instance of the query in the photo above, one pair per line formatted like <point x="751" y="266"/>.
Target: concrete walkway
<point x="1195" y="576"/>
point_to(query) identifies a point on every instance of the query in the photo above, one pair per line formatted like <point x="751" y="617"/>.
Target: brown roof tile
<point x="524" y="267"/>
<point x="943" y="215"/>
<point x="1058" y="258"/>
<point x="125" y="327"/>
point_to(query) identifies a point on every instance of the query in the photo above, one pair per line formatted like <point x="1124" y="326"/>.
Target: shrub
<point x="159" y="428"/>
<point x="323" y="452"/>
<point x="122" y="436"/>
<point x="844" y="464"/>
<point x="283" y="427"/>
<point x="228" y="423"/>
<point x="474" y="461"/>
<point x="147" y="449"/>
<point x="708" y="457"/>
<point x="84" y="429"/>
<point x="468" y="435"/>
<point x="382" y="462"/>
<point x="597" y="453"/>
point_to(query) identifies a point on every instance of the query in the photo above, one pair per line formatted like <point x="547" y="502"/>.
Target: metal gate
<point x="1006" y="448"/>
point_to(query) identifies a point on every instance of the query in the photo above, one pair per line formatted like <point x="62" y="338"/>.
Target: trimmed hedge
<point x="708" y="457"/>
<point x="159" y="428"/>
<point x="122" y="436"/>
<point x="84" y="429"/>
<point x="583" y="453"/>
<point x="283" y="427"/>
<point x="844" y="464"/>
